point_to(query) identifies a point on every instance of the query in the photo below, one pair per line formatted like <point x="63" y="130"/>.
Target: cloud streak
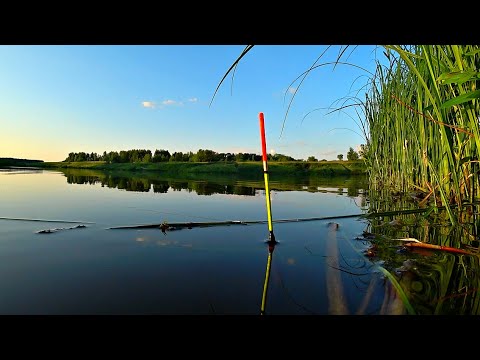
<point x="167" y="102"/>
<point x="170" y="102"/>
<point x="148" y="104"/>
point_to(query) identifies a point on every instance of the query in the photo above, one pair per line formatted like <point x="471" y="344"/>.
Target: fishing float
<point x="271" y="236"/>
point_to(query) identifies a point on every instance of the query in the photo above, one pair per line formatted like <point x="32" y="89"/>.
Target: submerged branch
<point x="189" y="225"/>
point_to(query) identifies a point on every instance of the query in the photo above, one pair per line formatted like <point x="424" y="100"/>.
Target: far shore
<point x="293" y="168"/>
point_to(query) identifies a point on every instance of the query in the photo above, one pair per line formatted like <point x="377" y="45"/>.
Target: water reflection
<point x="271" y="247"/>
<point x="431" y="281"/>
<point x="146" y="182"/>
<point x="322" y="267"/>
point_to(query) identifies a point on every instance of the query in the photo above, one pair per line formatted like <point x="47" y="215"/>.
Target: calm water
<point x="316" y="268"/>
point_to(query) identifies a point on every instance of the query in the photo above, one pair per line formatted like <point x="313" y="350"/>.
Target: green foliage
<point x="340" y="157"/>
<point x="280" y="157"/>
<point x="161" y="156"/>
<point x="352" y="155"/>
<point x="312" y="158"/>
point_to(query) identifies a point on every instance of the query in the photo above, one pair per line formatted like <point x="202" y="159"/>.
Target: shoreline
<point x="294" y="168"/>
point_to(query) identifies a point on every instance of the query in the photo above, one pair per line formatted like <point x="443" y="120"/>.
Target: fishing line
<point x="290" y="297"/>
<point x="45" y="220"/>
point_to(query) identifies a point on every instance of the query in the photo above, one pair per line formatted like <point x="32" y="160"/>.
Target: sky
<point x="57" y="99"/>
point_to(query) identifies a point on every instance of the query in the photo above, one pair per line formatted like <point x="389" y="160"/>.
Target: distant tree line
<point x="202" y="155"/>
<point x="146" y="156"/>
<point x="17" y="162"/>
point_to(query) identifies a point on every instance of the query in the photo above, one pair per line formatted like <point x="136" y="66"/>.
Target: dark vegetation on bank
<point x="246" y="168"/>
<point x="5" y="162"/>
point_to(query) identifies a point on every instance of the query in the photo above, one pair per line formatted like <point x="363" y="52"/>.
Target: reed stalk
<point x="422" y="111"/>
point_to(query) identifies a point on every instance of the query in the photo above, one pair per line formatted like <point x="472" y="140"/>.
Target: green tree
<point x="147" y="157"/>
<point x="340" y="157"/>
<point x="352" y="154"/>
<point x="312" y="158"/>
<point x="161" y="155"/>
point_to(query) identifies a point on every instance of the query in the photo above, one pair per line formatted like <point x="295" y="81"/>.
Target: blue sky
<point x="93" y="98"/>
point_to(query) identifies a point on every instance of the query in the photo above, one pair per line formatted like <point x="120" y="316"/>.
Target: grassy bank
<point x="293" y="168"/>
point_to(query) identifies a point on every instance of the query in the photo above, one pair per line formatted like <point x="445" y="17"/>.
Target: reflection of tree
<point x="352" y="191"/>
<point x="128" y="184"/>
<point x="141" y="185"/>
<point x="80" y="179"/>
<point x="131" y="181"/>
<point x="201" y="188"/>
<point x="244" y="190"/>
<point x="160" y="186"/>
<point x="178" y="185"/>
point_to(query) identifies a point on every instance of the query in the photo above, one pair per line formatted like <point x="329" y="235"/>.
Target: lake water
<point x="315" y="268"/>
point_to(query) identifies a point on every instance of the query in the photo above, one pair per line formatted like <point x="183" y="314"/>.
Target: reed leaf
<point x="458" y="77"/>
<point x="401" y="293"/>
<point x="461" y="99"/>
<point x="230" y="69"/>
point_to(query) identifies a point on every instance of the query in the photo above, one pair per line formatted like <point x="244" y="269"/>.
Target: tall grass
<point x="420" y="118"/>
<point x="422" y="111"/>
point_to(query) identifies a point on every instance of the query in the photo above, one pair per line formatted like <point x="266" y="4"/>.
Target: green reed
<point x="420" y="119"/>
<point x="422" y="111"/>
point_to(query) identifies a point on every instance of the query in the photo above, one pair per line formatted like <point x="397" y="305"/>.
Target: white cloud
<point x="169" y="102"/>
<point x="148" y="104"/>
<point x="292" y="90"/>
<point x="272" y="152"/>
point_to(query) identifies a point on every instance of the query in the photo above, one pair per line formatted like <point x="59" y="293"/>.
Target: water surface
<point x="211" y="270"/>
<point x="317" y="268"/>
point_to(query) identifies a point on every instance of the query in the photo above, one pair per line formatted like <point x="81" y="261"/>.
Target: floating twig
<point x="49" y="231"/>
<point x="437" y="247"/>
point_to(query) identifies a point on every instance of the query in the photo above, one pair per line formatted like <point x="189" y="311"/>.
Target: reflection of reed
<point x="336" y="297"/>
<point x="439" y="283"/>
<point x="368" y="296"/>
<point x="392" y="303"/>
